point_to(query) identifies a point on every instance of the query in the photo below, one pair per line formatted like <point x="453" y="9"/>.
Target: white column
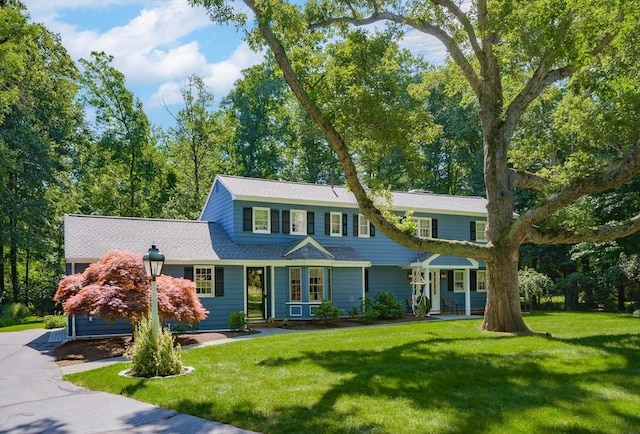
<point x="273" y="292"/>
<point x="467" y="292"/>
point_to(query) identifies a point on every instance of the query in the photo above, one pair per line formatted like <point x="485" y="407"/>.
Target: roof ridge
<point x="134" y="218"/>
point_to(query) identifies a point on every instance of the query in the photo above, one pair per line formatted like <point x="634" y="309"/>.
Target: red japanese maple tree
<point x="117" y="286"/>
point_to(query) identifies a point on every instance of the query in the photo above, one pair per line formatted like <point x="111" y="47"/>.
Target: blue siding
<point x="98" y="326"/>
<point x="347" y="288"/>
<point x="389" y="279"/>
<point x="220" y="307"/>
<point x="219" y="208"/>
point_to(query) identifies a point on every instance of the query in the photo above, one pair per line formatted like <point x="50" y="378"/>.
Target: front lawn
<point x="441" y="377"/>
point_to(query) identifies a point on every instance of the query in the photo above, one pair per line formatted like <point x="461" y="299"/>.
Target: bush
<point x="237" y="320"/>
<point x="55" y="321"/>
<point x="154" y="357"/>
<point x="17" y="312"/>
<point x="637" y="313"/>
<point x="368" y="314"/>
<point x="388" y="306"/>
<point x="328" y="312"/>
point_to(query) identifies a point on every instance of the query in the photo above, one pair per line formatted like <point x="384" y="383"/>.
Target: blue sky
<point x="157" y="44"/>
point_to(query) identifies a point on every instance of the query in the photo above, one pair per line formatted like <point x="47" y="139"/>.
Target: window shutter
<point x="275" y="221"/>
<point x="434" y="228"/>
<point x="247" y="217"/>
<point x="450" y="280"/>
<point x="219" y="282"/>
<point x="311" y="224"/>
<point x="188" y="273"/>
<point x="366" y="280"/>
<point x="286" y="222"/>
<point x="327" y="223"/>
<point x="472" y="236"/>
<point x="344" y="225"/>
<point x="372" y="230"/>
<point x="356" y="227"/>
<point x="474" y="280"/>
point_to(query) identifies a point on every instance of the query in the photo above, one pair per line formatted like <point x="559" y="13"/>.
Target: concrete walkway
<point x="34" y="399"/>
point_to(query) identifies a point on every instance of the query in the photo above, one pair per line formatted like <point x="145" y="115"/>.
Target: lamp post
<point x="153" y="262"/>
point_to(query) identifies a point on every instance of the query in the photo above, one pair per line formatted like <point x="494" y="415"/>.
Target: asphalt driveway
<point x="35" y="399"/>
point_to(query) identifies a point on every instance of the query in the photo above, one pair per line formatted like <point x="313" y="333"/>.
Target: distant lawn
<point x="434" y="377"/>
<point x="32" y="322"/>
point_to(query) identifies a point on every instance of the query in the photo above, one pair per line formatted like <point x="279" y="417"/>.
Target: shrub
<point x="154" y="357"/>
<point x="55" y="321"/>
<point x="237" y="320"/>
<point x="637" y="313"/>
<point x="368" y="313"/>
<point x="328" y="312"/>
<point x="17" y="312"/>
<point x="388" y="306"/>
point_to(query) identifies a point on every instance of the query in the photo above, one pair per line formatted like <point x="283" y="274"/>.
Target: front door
<point x="434" y="286"/>
<point x="255" y="293"/>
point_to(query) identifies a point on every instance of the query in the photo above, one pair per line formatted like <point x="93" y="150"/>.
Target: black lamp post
<point x="153" y="262"/>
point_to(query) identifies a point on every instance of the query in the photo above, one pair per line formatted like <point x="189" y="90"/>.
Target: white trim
<point x="213" y="280"/>
<point x="464" y="280"/>
<point x="467" y="292"/>
<point x="311" y="241"/>
<point x="418" y="221"/>
<point x="253" y="220"/>
<point x="273" y="292"/>
<point x="261" y="262"/>
<point x="289" y="284"/>
<point x="481" y="239"/>
<point x="331" y="215"/>
<point x="368" y="225"/>
<point x="484" y="271"/>
<point x="323" y="287"/>
<point x="296" y="306"/>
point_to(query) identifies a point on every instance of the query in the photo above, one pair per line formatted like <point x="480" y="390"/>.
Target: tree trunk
<point x="502" y="312"/>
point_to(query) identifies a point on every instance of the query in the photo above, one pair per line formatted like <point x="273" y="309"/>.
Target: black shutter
<point x="285" y="222"/>
<point x="450" y="280"/>
<point x="247" y="219"/>
<point x="344" y="225"/>
<point x="355" y="225"/>
<point x="219" y="282"/>
<point x="474" y="280"/>
<point x="372" y="230"/>
<point x="327" y="223"/>
<point x="366" y="280"/>
<point x="188" y="273"/>
<point x="311" y="224"/>
<point x="472" y="226"/>
<point x="434" y="228"/>
<point x="275" y="221"/>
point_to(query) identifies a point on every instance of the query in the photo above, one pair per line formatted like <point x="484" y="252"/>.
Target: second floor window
<point x="298" y="222"/>
<point x="363" y="226"/>
<point x="261" y="221"/>
<point x="316" y="284"/>
<point x="295" y="284"/>
<point x="423" y="228"/>
<point x="336" y="224"/>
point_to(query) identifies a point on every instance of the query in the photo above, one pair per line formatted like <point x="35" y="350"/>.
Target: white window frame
<point x="481" y="226"/>
<point x="254" y="221"/>
<point x="292" y="220"/>
<point x="316" y="273"/>
<point x="291" y="283"/>
<point x="420" y="222"/>
<point x="204" y="278"/>
<point x="364" y="227"/>
<point x="458" y="280"/>
<point x="331" y="224"/>
<point x="481" y="280"/>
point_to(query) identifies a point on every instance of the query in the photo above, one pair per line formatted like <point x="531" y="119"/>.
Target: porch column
<point x="467" y="292"/>
<point x="273" y="292"/>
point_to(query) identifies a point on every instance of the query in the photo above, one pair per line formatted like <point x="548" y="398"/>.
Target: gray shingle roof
<point x="263" y="190"/>
<point x="88" y="238"/>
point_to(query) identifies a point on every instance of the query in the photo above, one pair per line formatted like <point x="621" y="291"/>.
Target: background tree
<point x="117" y="286"/>
<point x="38" y="125"/>
<point x="508" y="56"/>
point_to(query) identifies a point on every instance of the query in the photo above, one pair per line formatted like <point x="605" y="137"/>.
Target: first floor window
<point x="481" y="281"/>
<point x="458" y="281"/>
<point x="203" y="277"/>
<point x="423" y="228"/>
<point x="316" y="284"/>
<point x="363" y="226"/>
<point x="261" y="221"/>
<point x="295" y="284"/>
<point x="298" y="222"/>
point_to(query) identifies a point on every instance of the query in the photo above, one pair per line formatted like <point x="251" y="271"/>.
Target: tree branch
<point x="420" y="25"/>
<point x="367" y="207"/>
<point x="463" y="19"/>
<point x="526" y="179"/>
<point x="617" y="174"/>
<point x="598" y="234"/>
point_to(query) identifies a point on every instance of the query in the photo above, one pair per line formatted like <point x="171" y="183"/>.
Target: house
<point x="276" y="249"/>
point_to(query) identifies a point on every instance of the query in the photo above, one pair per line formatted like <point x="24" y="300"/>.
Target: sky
<point x="157" y="44"/>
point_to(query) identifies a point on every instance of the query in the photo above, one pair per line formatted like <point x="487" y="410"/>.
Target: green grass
<point x="440" y="377"/>
<point x="31" y="322"/>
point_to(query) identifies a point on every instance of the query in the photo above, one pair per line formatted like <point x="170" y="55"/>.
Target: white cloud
<point x="425" y="45"/>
